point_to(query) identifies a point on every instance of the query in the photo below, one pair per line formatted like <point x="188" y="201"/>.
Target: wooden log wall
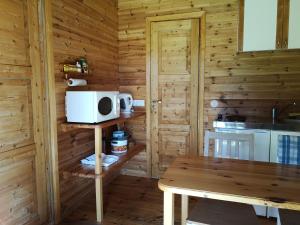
<point x="23" y="191"/>
<point x="248" y="84"/>
<point x="85" y="28"/>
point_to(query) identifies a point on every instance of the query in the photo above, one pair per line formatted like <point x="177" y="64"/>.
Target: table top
<point x="250" y="182"/>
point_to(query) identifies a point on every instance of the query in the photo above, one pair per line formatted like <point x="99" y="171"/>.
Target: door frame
<point x="50" y="118"/>
<point x="37" y="91"/>
<point x="190" y="15"/>
<point x="40" y="124"/>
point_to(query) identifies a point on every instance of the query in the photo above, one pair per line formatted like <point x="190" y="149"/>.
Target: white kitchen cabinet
<point x="269" y="25"/>
<point x="294" y="26"/>
<point x="274" y="148"/>
<point x="274" y="143"/>
<point x="260" y="22"/>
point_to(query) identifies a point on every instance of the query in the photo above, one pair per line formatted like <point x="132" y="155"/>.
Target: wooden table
<point x="255" y="183"/>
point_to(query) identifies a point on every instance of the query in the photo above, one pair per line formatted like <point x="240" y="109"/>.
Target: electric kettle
<point x="126" y="102"/>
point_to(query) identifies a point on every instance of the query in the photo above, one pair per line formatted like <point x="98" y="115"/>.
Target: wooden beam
<point x="178" y="16"/>
<point x="38" y="109"/>
<point x="148" y="98"/>
<point x="279" y="28"/>
<point x="195" y="72"/>
<point x="285" y="25"/>
<point x="50" y="99"/>
<point x="184" y="208"/>
<point x="98" y="171"/>
<point x="201" y="84"/>
<point x="241" y="25"/>
<point x="168" y="208"/>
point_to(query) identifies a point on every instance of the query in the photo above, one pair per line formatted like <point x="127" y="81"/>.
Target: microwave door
<point x="105" y="106"/>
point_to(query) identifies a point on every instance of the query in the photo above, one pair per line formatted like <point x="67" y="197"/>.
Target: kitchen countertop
<point x="288" y="126"/>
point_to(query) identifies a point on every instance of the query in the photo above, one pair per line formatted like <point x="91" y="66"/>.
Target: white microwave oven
<point x="92" y="106"/>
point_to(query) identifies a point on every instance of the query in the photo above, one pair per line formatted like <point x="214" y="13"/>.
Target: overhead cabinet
<point x="269" y="25"/>
<point x="294" y="27"/>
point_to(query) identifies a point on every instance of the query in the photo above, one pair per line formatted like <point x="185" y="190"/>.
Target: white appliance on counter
<point x="126" y="102"/>
<point x="92" y="106"/>
<point x="261" y="151"/>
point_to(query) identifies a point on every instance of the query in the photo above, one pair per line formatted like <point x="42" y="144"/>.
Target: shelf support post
<point x="98" y="171"/>
<point x="184" y="208"/>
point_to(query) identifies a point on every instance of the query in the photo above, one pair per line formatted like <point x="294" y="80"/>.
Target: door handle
<point x="156" y="101"/>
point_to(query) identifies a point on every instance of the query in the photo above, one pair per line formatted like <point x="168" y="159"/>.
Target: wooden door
<point x="23" y="192"/>
<point x="174" y="90"/>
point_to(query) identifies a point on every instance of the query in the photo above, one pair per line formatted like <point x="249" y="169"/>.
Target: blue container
<point x="120" y="134"/>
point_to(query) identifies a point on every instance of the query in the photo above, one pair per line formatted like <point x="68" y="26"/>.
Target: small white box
<point x="139" y="103"/>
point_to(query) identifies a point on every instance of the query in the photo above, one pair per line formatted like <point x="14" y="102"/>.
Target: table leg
<point x="98" y="171"/>
<point x="184" y="208"/>
<point x="168" y="208"/>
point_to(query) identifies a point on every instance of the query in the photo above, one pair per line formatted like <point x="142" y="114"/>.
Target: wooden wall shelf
<point x="97" y="172"/>
<point x="88" y="171"/>
<point x="123" y="118"/>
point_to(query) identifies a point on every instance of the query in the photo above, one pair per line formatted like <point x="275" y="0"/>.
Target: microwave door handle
<point x="118" y="105"/>
<point x="130" y="102"/>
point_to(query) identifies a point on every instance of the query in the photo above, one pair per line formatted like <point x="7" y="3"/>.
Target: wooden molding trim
<point x="241" y="25"/>
<point x="180" y="16"/>
<point x="195" y="69"/>
<point x="50" y="105"/>
<point x="279" y="28"/>
<point x="38" y="112"/>
<point x="201" y="83"/>
<point x="285" y="24"/>
<point x="148" y="98"/>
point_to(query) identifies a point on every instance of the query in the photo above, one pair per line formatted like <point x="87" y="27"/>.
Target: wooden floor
<point x="129" y="201"/>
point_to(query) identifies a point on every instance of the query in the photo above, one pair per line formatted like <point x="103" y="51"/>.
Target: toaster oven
<point x="92" y="106"/>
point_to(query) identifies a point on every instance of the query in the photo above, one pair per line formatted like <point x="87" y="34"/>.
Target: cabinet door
<point x="259" y="25"/>
<point x="294" y="28"/>
<point x="285" y="147"/>
<point x="290" y="147"/>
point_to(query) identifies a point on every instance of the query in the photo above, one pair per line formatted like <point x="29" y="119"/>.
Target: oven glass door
<point x="105" y="106"/>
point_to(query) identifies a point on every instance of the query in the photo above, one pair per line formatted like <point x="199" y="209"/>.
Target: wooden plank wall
<point x="247" y="83"/>
<point x="23" y="197"/>
<point x="85" y="28"/>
